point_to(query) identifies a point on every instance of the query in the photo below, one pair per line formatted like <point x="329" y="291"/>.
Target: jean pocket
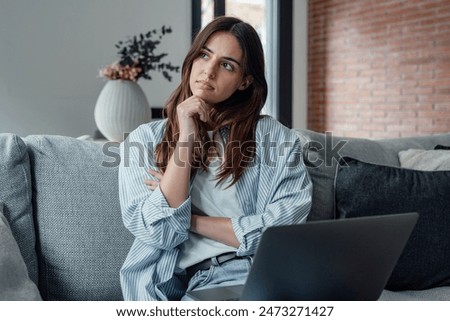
<point x="201" y="278"/>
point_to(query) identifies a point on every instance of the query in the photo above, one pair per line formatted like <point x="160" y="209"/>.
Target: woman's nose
<point x="210" y="70"/>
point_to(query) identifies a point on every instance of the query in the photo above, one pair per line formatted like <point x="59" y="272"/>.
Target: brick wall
<point x="379" y="68"/>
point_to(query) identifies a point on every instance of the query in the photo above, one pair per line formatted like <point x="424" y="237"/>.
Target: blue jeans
<point x="233" y="272"/>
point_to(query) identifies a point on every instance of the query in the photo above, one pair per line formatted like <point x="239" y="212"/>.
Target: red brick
<point x="435" y="114"/>
<point x="386" y="107"/>
<point x="434" y="98"/>
<point x="401" y="128"/>
<point x="401" y="99"/>
<point x="401" y="114"/>
<point x="384" y="134"/>
<point x="417" y="91"/>
<point x="356" y="134"/>
<point x="386" y="120"/>
<point x="442" y="106"/>
<point x="418" y="121"/>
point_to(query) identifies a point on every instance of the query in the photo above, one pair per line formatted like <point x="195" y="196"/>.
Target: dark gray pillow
<point x="82" y="242"/>
<point x="364" y="189"/>
<point x="15" y="193"/>
<point x="15" y="284"/>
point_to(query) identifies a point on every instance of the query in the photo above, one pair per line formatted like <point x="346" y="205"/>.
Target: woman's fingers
<point x="154" y="173"/>
<point x="191" y="107"/>
<point x="152" y="184"/>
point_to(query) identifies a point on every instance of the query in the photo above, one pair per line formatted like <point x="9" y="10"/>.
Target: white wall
<point x="300" y="65"/>
<point x="51" y="51"/>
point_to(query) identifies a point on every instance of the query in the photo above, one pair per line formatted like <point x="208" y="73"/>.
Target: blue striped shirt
<point x="275" y="189"/>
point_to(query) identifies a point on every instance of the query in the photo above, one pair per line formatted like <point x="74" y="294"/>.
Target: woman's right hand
<point x="193" y="107"/>
<point x="175" y="183"/>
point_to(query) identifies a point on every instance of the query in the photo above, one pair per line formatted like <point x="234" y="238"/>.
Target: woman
<point x="219" y="172"/>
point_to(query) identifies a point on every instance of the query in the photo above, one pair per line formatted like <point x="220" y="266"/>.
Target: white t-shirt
<point x="210" y="200"/>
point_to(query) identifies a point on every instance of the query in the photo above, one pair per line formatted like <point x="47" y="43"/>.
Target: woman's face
<point x="217" y="72"/>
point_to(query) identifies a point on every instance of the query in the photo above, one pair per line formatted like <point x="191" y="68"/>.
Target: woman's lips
<point x="204" y="85"/>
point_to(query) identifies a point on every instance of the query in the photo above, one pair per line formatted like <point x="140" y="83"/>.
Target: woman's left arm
<point x="284" y="187"/>
<point x="219" y="229"/>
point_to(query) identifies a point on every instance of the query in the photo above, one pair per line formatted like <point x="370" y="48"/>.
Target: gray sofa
<point x="63" y="237"/>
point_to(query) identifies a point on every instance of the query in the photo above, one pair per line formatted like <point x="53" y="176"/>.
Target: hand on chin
<point x="204" y="96"/>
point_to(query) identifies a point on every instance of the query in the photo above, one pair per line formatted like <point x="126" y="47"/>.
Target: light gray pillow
<point x="15" y="284"/>
<point x="16" y="195"/>
<point x="425" y="160"/>
<point x="82" y="240"/>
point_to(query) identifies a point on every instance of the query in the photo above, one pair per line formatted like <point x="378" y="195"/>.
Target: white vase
<point x="121" y="107"/>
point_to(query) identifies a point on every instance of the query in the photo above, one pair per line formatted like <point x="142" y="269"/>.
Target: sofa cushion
<point x="434" y="294"/>
<point x="425" y="160"/>
<point x="322" y="153"/>
<point x="15" y="193"/>
<point x="82" y="242"/>
<point x="15" y="283"/>
<point x="364" y="189"/>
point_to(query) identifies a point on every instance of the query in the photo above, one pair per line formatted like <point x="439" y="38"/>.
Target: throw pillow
<point x="364" y="189"/>
<point x="16" y="194"/>
<point x="15" y="284"/>
<point x="82" y="240"/>
<point x="425" y="160"/>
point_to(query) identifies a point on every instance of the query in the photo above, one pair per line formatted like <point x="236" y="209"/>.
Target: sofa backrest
<point x="81" y="240"/>
<point x="322" y="152"/>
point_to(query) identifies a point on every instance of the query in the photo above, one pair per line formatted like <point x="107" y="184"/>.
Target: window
<point x="276" y="37"/>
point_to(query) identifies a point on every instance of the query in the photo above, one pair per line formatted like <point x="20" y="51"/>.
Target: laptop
<point x="332" y="260"/>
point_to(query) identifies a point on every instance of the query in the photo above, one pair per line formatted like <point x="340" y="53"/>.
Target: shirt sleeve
<point x="284" y="189"/>
<point x="145" y="213"/>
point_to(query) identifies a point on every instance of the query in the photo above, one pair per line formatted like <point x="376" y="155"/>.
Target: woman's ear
<point x="247" y="81"/>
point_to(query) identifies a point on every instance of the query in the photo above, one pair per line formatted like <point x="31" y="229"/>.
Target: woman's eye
<point x="228" y="66"/>
<point x="203" y="55"/>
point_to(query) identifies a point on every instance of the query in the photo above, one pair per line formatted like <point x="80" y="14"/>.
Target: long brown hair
<point x="239" y="113"/>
